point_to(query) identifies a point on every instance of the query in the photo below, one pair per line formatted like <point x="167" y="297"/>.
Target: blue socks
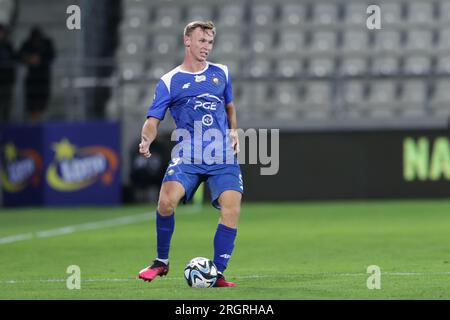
<point x="223" y="246"/>
<point x="164" y="231"/>
<point x="223" y="240"/>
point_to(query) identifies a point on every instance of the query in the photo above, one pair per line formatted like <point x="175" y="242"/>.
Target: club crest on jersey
<point x="200" y="78"/>
<point x="207" y="120"/>
<point x="215" y="80"/>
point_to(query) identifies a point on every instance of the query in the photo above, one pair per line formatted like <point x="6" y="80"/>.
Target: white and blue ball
<point x="200" y="273"/>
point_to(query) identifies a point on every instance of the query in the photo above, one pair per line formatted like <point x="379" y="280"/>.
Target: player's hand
<point x="234" y="140"/>
<point x="144" y="147"/>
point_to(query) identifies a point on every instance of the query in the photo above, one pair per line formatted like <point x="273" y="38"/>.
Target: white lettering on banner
<point x="21" y="170"/>
<point x="77" y="170"/>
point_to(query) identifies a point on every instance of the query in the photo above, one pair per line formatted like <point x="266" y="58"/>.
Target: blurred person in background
<point x="37" y="54"/>
<point x="7" y="73"/>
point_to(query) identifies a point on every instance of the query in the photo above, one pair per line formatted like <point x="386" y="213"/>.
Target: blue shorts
<point x="218" y="177"/>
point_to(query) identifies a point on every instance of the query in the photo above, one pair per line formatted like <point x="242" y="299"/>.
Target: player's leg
<point x="230" y="207"/>
<point x="180" y="182"/>
<point x="170" y="195"/>
<point x="226" y="191"/>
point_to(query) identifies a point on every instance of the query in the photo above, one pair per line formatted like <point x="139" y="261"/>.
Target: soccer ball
<point x="200" y="273"/>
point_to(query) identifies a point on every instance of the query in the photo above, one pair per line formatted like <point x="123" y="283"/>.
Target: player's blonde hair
<point x="204" y="25"/>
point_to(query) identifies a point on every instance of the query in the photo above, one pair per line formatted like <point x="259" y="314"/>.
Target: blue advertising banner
<point x="79" y="164"/>
<point x="21" y="165"/>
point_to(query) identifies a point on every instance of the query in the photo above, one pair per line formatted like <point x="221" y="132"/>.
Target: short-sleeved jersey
<point x="197" y="104"/>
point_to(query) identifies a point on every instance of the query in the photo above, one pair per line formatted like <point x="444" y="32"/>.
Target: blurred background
<point x="362" y="113"/>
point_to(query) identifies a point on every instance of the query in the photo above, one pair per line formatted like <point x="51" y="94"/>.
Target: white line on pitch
<point x="237" y="277"/>
<point x="119" y="221"/>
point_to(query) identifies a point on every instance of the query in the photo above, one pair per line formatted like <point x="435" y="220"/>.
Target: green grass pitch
<point x="307" y="250"/>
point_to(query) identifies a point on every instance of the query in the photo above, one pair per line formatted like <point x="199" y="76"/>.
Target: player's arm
<point x="155" y="114"/>
<point x="231" y="114"/>
<point x="148" y="134"/>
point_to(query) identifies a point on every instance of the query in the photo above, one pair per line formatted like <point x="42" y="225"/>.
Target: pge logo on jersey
<point x="20" y="168"/>
<point x="76" y="168"/>
<point x="206" y="101"/>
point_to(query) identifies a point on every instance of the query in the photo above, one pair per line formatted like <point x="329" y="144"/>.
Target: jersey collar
<point x="198" y="72"/>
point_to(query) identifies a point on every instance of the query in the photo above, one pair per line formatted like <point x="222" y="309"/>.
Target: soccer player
<point x="199" y="96"/>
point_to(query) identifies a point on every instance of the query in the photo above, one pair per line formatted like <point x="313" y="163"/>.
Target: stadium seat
<point x="392" y="13"/>
<point x="234" y="66"/>
<point x="242" y="108"/>
<point x="131" y="94"/>
<point x="321" y="66"/>
<point x="131" y="70"/>
<point x="417" y="64"/>
<point x="137" y="16"/>
<point x="444" y="11"/>
<point x="355" y="41"/>
<point x="413" y="97"/>
<point x="353" y="65"/>
<point x="385" y="65"/>
<point x="291" y="42"/>
<point x="444" y="40"/>
<point x="420" y="13"/>
<point x="419" y="41"/>
<point x="316" y="99"/>
<point x="159" y="67"/>
<point x="323" y="42"/>
<point x="262" y="42"/>
<point x="352" y="94"/>
<point x="259" y="67"/>
<point x="256" y="98"/>
<point x="199" y="12"/>
<point x="262" y="14"/>
<point x="355" y="13"/>
<point x="228" y="44"/>
<point x="289" y="68"/>
<point x="133" y="44"/>
<point x="387" y="40"/>
<point x="440" y="102"/>
<point x="167" y="16"/>
<point x="382" y="98"/>
<point x="165" y="44"/>
<point x="286" y="99"/>
<point x="443" y="64"/>
<point x="325" y="14"/>
<point x="293" y="14"/>
<point x="231" y="15"/>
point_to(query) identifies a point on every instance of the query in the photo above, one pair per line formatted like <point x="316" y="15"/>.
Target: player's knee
<point x="229" y="216"/>
<point x="166" y="206"/>
<point x="231" y="211"/>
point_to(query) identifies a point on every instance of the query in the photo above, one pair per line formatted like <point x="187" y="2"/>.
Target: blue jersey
<point x="197" y="103"/>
